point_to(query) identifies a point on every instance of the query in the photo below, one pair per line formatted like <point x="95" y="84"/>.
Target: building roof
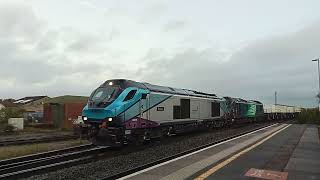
<point x="8" y="103"/>
<point x="68" y="99"/>
<point x="29" y="99"/>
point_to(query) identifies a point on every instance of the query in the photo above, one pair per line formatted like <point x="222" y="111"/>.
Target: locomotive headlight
<point x="85" y="118"/>
<point x="110" y="119"/>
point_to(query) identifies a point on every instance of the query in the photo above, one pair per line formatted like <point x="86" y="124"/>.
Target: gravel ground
<point x="167" y="147"/>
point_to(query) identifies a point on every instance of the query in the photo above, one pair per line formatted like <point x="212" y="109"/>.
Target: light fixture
<point x="109" y="119"/>
<point x="85" y="118"/>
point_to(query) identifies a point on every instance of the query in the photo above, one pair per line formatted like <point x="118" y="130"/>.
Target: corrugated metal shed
<point x="57" y="115"/>
<point x="61" y="111"/>
<point x="71" y="113"/>
<point x="47" y="111"/>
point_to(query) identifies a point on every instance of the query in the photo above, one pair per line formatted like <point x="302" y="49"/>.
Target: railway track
<point x="168" y="158"/>
<point x="31" y="140"/>
<point x="42" y="162"/>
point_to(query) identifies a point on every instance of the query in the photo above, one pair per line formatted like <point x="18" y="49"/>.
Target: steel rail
<point x="43" y="154"/>
<point x="35" y="140"/>
<point x="43" y="162"/>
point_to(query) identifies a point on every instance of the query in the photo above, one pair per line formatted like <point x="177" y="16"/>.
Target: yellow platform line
<point x="227" y="161"/>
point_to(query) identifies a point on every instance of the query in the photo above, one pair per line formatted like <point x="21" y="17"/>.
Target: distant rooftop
<point x="68" y="99"/>
<point x="28" y="99"/>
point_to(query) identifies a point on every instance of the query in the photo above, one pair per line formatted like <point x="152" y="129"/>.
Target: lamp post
<point x="318" y="95"/>
<point x="275" y="98"/>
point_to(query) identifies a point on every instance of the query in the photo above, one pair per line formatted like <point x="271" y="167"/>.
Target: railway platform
<point x="281" y="151"/>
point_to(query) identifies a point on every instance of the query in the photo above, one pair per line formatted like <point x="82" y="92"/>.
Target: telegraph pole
<point x="318" y="95"/>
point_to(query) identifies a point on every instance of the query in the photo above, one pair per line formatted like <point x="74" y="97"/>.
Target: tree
<point x="309" y="116"/>
<point x="10" y="112"/>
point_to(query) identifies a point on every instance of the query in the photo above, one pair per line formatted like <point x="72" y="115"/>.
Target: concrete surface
<point x="293" y="153"/>
<point x="188" y="166"/>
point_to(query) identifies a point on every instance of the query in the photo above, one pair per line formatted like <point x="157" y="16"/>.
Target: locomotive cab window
<point x="104" y="94"/>
<point x="215" y="109"/>
<point x="130" y="95"/>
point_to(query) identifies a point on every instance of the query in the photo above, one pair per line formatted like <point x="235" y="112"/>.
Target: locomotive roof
<point x="258" y="102"/>
<point x="124" y="83"/>
<point x="239" y="100"/>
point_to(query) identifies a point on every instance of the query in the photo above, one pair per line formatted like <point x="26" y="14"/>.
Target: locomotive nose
<point x="93" y="114"/>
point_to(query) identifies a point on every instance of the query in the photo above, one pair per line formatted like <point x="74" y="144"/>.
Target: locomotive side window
<point x="215" y="109"/>
<point x="259" y="108"/>
<point x="130" y="95"/>
<point x="185" y="108"/>
<point x="176" y="112"/>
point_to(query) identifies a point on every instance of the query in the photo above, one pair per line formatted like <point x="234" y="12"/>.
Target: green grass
<point x="22" y="150"/>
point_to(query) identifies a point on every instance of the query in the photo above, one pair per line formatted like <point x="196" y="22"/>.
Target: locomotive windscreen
<point x="105" y="94"/>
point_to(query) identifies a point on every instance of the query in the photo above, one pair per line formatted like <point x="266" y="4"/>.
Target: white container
<point x="17" y="123"/>
<point x="291" y="109"/>
<point x="279" y="108"/>
<point x="267" y="108"/>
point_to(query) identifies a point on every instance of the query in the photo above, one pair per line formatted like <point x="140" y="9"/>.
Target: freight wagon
<point x="280" y="111"/>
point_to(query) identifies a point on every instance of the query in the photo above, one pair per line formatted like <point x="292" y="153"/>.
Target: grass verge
<point x="22" y="150"/>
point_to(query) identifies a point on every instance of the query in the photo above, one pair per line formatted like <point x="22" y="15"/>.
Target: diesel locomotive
<point x="123" y="111"/>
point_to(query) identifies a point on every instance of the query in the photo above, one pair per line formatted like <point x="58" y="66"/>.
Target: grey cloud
<point x="42" y="62"/>
<point x="189" y="69"/>
<point x="84" y="44"/>
<point x="175" y="25"/>
<point x="37" y="64"/>
<point x="47" y="41"/>
<point x="281" y="63"/>
<point x="18" y="21"/>
<point x="153" y="11"/>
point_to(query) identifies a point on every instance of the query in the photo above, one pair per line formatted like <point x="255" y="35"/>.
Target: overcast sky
<point x="240" y="48"/>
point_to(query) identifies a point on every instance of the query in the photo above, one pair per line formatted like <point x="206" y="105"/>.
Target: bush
<point x="10" y="112"/>
<point x="309" y="116"/>
<point x="9" y="128"/>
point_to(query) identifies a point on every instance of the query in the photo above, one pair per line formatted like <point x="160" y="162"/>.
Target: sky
<point x="238" y="48"/>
